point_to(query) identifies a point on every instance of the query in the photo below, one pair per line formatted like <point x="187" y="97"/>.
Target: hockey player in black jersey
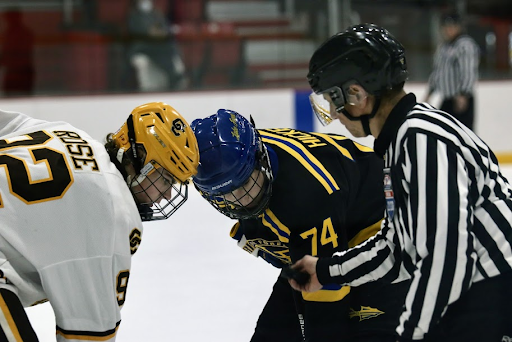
<point x="296" y="193"/>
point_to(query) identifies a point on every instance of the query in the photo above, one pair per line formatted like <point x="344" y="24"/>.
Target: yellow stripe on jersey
<point x="365" y="234"/>
<point x="7" y="323"/>
<point x="271" y="221"/>
<point x="330" y="139"/>
<point x="326" y="295"/>
<point x="363" y="148"/>
<point x="234" y="230"/>
<point x="297" y="150"/>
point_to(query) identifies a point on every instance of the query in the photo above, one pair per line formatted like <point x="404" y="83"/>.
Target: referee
<point x="449" y="209"/>
<point x="455" y="70"/>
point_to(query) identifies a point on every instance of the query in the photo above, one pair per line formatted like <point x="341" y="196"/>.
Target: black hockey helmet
<point x="364" y="54"/>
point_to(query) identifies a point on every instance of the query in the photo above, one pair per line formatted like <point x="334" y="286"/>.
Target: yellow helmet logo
<point x="165" y="136"/>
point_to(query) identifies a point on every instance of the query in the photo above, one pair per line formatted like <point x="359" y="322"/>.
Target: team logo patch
<point x="135" y="238"/>
<point x="366" y="312"/>
<point x="388" y="193"/>
<point x="275" y="248"/>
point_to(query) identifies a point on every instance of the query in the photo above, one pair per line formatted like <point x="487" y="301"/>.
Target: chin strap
<point x="133" y="146"/>
<point x="365" y="119"/>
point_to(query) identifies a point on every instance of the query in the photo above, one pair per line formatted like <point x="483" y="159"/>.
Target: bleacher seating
<point x="276" y="51"/>
<point x="223" y="44"/>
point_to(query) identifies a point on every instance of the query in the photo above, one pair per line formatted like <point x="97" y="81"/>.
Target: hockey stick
<point x="301" y="278"/>
<point x="299" y="307"/>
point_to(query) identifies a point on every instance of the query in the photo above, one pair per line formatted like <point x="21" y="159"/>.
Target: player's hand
<point x="461" y="103"/>
<point x="306" y="264"/>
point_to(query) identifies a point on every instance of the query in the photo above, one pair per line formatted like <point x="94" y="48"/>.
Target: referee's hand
<point x="306" y="264"/>
<point x="461" y="103"/>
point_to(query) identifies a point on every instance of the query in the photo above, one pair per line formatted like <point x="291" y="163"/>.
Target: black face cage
<point x="162" y="207"/>
<point x="232" y="207"/>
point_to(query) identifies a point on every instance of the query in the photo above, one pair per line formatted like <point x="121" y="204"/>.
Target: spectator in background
<point x="153" y="52"/>
<point x="16" y="56"/>
<point x="455" y="70"/>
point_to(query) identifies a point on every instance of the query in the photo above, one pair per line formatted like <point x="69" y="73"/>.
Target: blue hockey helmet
<point x="234" y="173"/>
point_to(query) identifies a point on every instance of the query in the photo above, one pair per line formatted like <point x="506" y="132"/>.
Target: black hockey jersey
<point x="327" y="191"/>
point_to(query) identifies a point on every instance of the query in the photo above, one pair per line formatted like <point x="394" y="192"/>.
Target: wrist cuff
<point x="322" y="271"/>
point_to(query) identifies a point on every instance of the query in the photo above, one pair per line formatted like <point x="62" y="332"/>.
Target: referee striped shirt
<point x="449" y="216"/>
<point x="455" y="67"/>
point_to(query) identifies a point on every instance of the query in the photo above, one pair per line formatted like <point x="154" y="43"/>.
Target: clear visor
<point x="322" y="108"/>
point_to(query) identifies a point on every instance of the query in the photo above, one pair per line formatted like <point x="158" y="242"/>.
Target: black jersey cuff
<point x="323" y="274"/>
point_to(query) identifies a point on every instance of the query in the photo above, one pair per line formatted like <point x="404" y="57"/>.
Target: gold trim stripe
<point x="365" y="234"/>
<point x="305" y="157"/>
<point x="87" y="337"/>
<point x="326" y="295"/>
<point x="270" y="220"/>
<point x="331" y="141"/>
<point x="504" y="157"/>
<point x="11" y="330"/>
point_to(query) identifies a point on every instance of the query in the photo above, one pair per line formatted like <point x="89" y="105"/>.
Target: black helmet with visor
<point x="367" y="55"/>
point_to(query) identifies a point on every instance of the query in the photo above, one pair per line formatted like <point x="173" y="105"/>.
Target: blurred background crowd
<point x="64" y="47"/>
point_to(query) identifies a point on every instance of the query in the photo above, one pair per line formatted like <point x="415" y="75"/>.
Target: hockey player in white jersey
<point x="71" y="210"/>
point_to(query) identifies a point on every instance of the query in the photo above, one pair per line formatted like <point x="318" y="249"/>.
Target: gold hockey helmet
<point x="165" y="136"/>
<point x="156" y="138"/>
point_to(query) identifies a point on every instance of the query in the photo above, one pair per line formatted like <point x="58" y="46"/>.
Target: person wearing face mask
<point x="72" y="209"/>
<point x="448" y="207"/>
<point x="153" y="53"/>
<point x="295" y="193"/>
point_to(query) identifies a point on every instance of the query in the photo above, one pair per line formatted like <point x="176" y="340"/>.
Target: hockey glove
<point x="238" y="234"/>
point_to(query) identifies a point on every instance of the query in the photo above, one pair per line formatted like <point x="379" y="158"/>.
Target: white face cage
<point x="157" y="193"/>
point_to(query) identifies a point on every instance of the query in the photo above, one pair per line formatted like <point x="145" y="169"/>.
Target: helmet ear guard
<point x="155" y="136"/>
<point x="356" y="96"/>
<point x="351" y="93"/>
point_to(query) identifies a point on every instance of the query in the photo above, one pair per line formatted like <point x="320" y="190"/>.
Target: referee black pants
<point x="483" y="314"/>
<point x="467" y="117"/>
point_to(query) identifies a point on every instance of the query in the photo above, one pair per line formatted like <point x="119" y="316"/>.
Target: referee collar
<point x="393" y="123"/>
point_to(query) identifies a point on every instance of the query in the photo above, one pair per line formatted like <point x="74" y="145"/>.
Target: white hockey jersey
<point x="69" y="225"/>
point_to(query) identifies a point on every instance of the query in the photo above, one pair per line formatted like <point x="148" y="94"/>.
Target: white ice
<point x="189" y="282"/>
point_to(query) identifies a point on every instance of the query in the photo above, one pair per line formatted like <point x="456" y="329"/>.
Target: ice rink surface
<point x="189" y="282"/>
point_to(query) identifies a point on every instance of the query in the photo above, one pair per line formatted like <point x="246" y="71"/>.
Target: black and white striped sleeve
<point x="437" y="218"/>
<point x="371" y="260"/>
<point x="468" y="60"/>
<point x="433" y="79"/>
<point x="455" y="68"/>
